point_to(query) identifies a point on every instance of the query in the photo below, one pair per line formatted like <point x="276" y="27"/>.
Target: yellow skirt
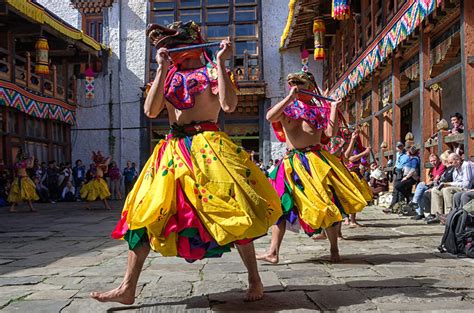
<point x="23" y="189"/>
<point x="363" y="186"/>
<point x="195" y="196"/>
<point x="97" y="188"/>
<point x="315" y="188"/>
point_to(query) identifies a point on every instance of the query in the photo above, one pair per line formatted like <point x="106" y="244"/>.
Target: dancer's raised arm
<point x="155" y="100"/>
<point x="276" y="112"/>
<point x="333" y="125"/>
<point x="227" y="96"/>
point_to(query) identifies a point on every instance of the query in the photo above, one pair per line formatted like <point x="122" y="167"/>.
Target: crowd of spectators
<point x="61" y="182"/>
<point x="448" y="183"/>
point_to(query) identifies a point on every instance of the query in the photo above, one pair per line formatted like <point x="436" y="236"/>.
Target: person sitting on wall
<point x="442" y="195"/>
<point x="410" y="173"/>
<point x="433" y="176"/>
<point x="458" y="128"/>
<point x="402" y="158"/>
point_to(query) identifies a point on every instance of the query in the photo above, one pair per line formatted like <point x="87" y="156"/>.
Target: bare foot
<point x="320" y="236"/>
<point x="346" y="221"/>
<point x="355" y="224"/>
<point x="340" y="236"/>
<point x="12" y="210"/>
<point x="33" y="210"/>
<point x="270" y="258"/>
<point x="335" y="258"/>
<point x="255" y="292"/>
<point x="120" y="295"/>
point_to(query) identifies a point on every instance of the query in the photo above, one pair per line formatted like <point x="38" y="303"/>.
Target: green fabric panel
<point x="286" y="202"/>
<point x="135" y="237"/>
<point x="189" y="232"/>
<point x="217" y="251"/>
<point x="274" y="173"/>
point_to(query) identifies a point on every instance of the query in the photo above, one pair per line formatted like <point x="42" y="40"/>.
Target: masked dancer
<point x="199" y="193"/>
<point x="314" y="185"/>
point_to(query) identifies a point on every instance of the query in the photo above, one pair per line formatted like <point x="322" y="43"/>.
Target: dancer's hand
<point x="163" y="58"/>
<point x="336" y="103"/>
<point x="293" y="92"/>
<point x="225" y="51"/>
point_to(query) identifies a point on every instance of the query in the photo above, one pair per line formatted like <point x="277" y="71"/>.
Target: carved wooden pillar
<point x="375" y="142"/>
<point x="467" y="74"/>
<point x="28" y="69"/>
<point x="395" y="96"/>
<point x="425" y="99"/>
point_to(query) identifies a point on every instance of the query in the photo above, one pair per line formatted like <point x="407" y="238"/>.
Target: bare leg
<point x="106" y="204"/>
<point x="247" y="253"/>
<point x="13" y="208"/>
<point x="339" y="231"/>
<point x="125" y="293"/>
<point x="332" y="236"/>
<point x="278" y="231"/>
<point x="320" y="236"/>
<point x="32" y="209"/>
<point x="354" y="222"/>
<point x="346" y="220"/>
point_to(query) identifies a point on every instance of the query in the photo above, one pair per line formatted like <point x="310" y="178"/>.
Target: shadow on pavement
<point x="309" y="297"/>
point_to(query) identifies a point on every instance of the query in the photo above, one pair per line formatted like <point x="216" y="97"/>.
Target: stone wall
<point x="277" y="65"/>
<point x="112" y="121"/>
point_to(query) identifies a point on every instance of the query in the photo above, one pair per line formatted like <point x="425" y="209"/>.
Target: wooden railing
<point x="21" y="72"/>
<point x="250" y="70"/>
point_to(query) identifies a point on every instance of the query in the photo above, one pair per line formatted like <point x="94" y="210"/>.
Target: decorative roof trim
<point x="91" y="6"/>
<point x="407" y="19"/>
<point x="14" y="96"/>
<point x="42" y="15"/>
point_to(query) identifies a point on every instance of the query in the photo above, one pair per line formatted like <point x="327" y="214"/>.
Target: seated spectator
<point x="432" y="178"/>
<point x="405" y="177"/>
<point x="378" y="180"/>
<point x="69" y="193"/>
<point x="442" y="195"/>
<point x="458" y="128"/>
<point x="410" y="173"/>
<point x="41" y="190"/>
<point x="462" y="198"/>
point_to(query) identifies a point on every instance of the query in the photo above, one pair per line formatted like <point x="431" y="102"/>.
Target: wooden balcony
<point x="20" y="70"/>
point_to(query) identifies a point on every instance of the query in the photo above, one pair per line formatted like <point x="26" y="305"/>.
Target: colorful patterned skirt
<point x="197" y="194"/>
<point x="23" y="189"/>
<point x="95" y="189"/>
<point x="315" y="188"/>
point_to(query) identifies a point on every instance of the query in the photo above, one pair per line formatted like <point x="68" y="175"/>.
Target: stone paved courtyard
<point x="51" y="260"/>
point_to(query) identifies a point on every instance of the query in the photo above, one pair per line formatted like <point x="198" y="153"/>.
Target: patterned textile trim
<point x="401" y="26"/>
<point x="16" y="97"/>
<point x="41" y="15"/>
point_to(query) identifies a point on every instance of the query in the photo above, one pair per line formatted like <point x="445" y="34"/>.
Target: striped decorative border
<point x="16" y="97"/>
<point x="400" y="27"/>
